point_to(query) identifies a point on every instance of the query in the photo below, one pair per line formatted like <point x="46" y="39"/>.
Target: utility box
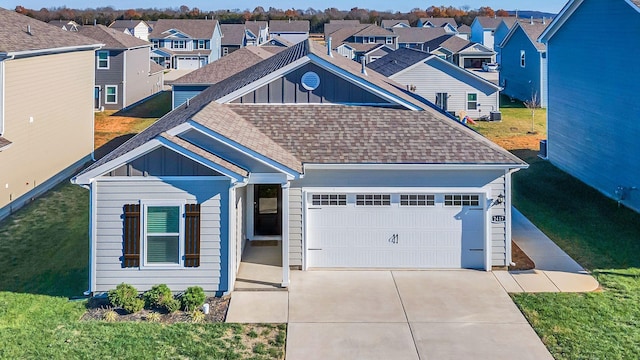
<point x="543" y="149"/>
<point x="495" y="116"/>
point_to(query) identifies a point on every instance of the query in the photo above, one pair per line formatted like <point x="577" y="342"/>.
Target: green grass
<point x="45" y="245"/>
<point x="154" y="107"/>
<point x="515" y="122"/>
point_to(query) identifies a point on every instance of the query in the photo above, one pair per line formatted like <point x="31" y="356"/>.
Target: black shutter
<point x="131" y="243"/>
<point x="192" y="235"/>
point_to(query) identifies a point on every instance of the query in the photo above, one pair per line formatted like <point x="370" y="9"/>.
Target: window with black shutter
<point x="131" y="243"/>
<point x="192" y="235"/>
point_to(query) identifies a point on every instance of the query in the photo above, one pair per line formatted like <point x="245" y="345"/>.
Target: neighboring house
<point x="234" y="36"/>
<point x="186" y="43"/>
<point x="466" y="54"/>
<point x="464" y="32"/>
<point x="137" y="28"/>
<point x="335" y="25"/>
<point x="483" y="29"/>
<point x="592" y="127"/>
<point x="257" y="32"/>
<point x="379" y="179"/>
<point x="364" y="41"/>
<point x="390" y="24"/>
<point x="123" y="71"/>
<point x="501" y="32"/>
<point x="68" y="25"/>
<point x="189" y="85"/>
<point x="292" y="31"/>
<point x="277" y="41"/>
<point x="416" y="38"/>
<point x="523" y="70"/>
<point x="46" y="107"/>
<point x="448" y="24"/>
<point x="448" y="86"/>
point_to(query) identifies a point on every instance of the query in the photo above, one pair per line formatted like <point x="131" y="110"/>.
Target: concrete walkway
<point x="555" y="270"/>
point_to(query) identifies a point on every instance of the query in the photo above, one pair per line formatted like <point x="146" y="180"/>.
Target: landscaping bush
<point x="193" y="298"/>
<point x="126" y="296"/>
<point x="158" y="296"/>
<point x="172" y="305"/>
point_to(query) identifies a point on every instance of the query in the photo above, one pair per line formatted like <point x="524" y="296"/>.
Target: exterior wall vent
<point x="310" y="81"/>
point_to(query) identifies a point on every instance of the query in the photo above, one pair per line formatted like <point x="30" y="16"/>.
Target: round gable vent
<point x="310" y="81"/>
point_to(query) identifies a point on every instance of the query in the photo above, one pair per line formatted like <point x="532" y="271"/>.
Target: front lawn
<point x="592" y="229"/>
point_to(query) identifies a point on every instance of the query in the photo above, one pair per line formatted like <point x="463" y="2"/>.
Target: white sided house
<point x="338" y="165"/>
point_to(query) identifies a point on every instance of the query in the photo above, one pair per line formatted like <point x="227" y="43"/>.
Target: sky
<point x="552" y="6"/>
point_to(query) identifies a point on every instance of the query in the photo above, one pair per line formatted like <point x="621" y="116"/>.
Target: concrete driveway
<point x="405" y="315"/>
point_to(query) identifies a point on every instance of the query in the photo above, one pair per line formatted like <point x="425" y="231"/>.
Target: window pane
<point x="163" y="249"/>
<point x="472" y="97"/>
<point x="163" y="219"/>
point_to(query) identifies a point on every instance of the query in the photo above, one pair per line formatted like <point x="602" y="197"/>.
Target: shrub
<point x="172" y="305"/>
<point x="153" y="317"/>
<point x="110" y="316"/>
<point x="159" y="296"/>
<point x="126" y="296"/>
<point x="193" y="298"/>
<point x="197" y="316"/>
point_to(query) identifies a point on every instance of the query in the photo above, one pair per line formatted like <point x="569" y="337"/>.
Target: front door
<point x="267" y="210"/>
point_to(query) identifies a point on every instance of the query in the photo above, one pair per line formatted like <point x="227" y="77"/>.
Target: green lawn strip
<point x="45" y="245"/>
<point x="38" y="326"/>
<point x="515" y="122"/>
<point x="154" y="107"/>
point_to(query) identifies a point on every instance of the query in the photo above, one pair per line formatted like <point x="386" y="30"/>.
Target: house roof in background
<point x="440" y="22"/>
<point x="397" y="61"/>
<point x="335" y="25"/>
<point x="256" y="26"/>
<point x="126" y="24"/>
<point x="4" y="143"/>
<point x="225" y="67"/>
<point x="154" y="67"/>
<point x="373" y="30"/>
<point x="289" y="26"/>
<point x="15" y="38"/>
<point x="533" y="31"/>
<point x="391" y="23"/>
<point x="343" y="33"/>
<point x="464" y="29"/>
<point x="232" y="34"/>
<point x="418" y="35"/>
<point x="195" y="28"/>
<point x="450" y="42"/>
<point x="277" y="41"/>
<point x="509" y="21"/>
<point x="112" y="38"/>
<point x="488" y="22"/>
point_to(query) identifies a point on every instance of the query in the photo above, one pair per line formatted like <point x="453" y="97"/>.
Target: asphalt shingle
<point x="195" y="28"/>
<point x="112" y="38"/>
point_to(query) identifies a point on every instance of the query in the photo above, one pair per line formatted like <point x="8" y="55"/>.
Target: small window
<point x="389" y="40"/>
<point x="417" y="200"/>
<point x="462" y="200"/>
<point x="372" y="40"/>
<point x="103" y="59"/>
<point x="178" y="44"/>
<point x="156" y="44"/>
<point x="111" y="94"/>
<point x="522" y="58"/>
<point x="225" y="51"/>
<point x="472" y="101"/>
<point x="406" y="45"/>
<point x="310" y="81"/>
<point x="373" y="199"/>
<point x="201" y="44"/>
<point x="162" y="234"/>
<point x="442" y="100"/>
<point x="329" y="199"/>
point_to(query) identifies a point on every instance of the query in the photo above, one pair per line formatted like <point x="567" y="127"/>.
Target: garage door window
<point x="373" y="200"/>
<point x="462" y="200"/>
<point x="329" y="199"/>
<point x="417" y="200"/>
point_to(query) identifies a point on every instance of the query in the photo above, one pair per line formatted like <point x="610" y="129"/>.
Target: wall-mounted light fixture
<point x="499" y="200"/>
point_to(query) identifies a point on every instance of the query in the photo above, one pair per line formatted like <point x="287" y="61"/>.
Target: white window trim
<point x="98" y="60"/>
<point x="371" y="40"/>
<point x="156" y="44"/>
<point x="389" y="40"/>
<point x="202" y="44"/>
<point x="523" y="59"/>
<point x="175" y="42"/>
<point x="106" y="94"/>
<point x="225" y="51"/>
<point x="467" y="101"/>
<point x="144" y="204"/>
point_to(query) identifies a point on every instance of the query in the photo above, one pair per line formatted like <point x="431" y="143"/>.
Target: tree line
<point x="317" y="18"/>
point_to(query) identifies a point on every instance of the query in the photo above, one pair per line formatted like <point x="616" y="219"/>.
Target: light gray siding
<point x="435" y="77"/>
<point x="113" y="195"/>
<point x="139" y="84"/>
<point x="182" y="93"/>
<point x="114" y="75"/>
<point x="332" y="89"/>
<point x="295" y="227"/>
<point x="593" y="130"/>
<point x="493" y="180"/>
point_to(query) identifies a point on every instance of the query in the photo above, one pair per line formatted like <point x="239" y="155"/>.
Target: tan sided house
<point x="46" y="106"/>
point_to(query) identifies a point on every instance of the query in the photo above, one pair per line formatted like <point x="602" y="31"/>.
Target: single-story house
<point x="363" y="175"/>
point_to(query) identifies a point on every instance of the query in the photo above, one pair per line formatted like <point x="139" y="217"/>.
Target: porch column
<point x="285" y="234"/>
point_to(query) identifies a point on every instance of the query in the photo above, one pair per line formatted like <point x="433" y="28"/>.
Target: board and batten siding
<point x="180" y="94"/>
<point x="436" y="77"/>
<point x="494" y="181"/>
<point x="112" y="195"/>
<point x="48" y="115"/>
<point x="522" y="82"/>
<point x="592" y="114"/>
<point x="139" y="83"/>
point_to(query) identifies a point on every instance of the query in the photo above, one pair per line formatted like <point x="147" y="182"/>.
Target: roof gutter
<point x="312" y="166"/>
<point x="27" y="53"/>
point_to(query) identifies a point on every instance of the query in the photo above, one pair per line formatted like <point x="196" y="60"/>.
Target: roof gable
<point x="192" y="28"/>
<point x="233" y="34"/>
<point x="531" y="29"/>
<point x="112" y="38"/>
<point x="416" y="35"/>
<point x="288" y="26"/>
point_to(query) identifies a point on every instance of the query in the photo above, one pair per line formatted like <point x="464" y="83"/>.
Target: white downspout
<point x="285" y="234"/>
<point x="93" y="203"/>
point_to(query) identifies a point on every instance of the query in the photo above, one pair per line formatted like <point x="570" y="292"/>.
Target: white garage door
<point x="188" y="63"/>
<point x="395" y="230"/>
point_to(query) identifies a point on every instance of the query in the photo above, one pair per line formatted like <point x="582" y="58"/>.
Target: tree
<point x="502" y="13"/>
<point x="486" y="11"/>
<point x="532" y="104"/>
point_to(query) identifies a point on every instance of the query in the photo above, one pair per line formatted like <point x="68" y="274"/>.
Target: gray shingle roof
<point x="509" y="21"/>
<point x="195" y="28"/>
<point x="373" y="30"/>
<point x="4" y="143"/>
<point x="391" y="23"/>
<point x="154" y="67"/>
<point x="342" y="34"/>
<point x="289" y="26"/>
<point x="232" y="34"/>
<point x="464" y="29"/>
<point x="14" y="36"/>
<point x="533" y="31"/>
<point x="397" y="61"/>
<point x="449" y="42"/>
<point x="489" y="22"/>
<point x="333" y="26"/>
<point x="637" y="2"/>
<point x="351" y="134"/>
<point x="126" y="24"/>
<point x="225" y="67"/>
<point x="440" y="22"/>
<point x="418" y="35"/>
<point x="112" y="38"/>
<point x="255" y="26"/>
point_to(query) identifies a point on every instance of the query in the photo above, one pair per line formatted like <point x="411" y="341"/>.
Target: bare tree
<point x="532" y="104"/>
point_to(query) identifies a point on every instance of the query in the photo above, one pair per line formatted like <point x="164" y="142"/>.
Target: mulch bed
<point x="522" y="261"/>
<point x="97" y="307"/>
